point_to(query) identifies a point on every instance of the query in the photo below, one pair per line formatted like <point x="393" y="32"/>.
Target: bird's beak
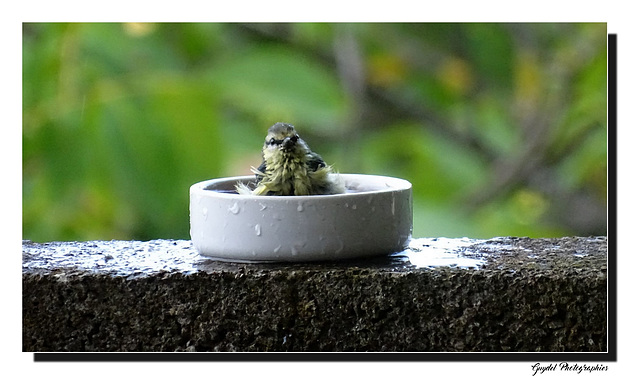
<point x="289" y="143"/>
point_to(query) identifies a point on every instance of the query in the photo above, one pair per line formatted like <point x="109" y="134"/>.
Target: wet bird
<point x="289" y="167"/>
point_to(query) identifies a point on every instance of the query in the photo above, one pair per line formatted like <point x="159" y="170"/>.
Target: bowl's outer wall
<point x="255" y="229"/>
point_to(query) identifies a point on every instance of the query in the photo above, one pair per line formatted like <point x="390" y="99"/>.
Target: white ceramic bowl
<point x="373" y="218"/>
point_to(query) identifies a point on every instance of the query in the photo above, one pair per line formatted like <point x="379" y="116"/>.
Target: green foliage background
<point x="501" y="128"/>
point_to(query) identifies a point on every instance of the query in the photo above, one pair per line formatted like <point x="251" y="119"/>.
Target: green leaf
<point x="494" y="126"/>
<point x="438" y="169"/>
<point x="491" y="49"/>
<point x="277" y="84"/>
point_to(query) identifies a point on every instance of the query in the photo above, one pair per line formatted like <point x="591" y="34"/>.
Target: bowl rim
<point x="201" y="188"/>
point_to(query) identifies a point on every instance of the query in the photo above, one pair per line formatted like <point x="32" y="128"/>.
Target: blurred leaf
<point x="437" y="169"/>
<point x="196" y="43"/>
<point x="435" y="219"/>
<point x="589" y="105"/>
<point x="432" y="92"/>
<point x="455" y="74"/>
<point x="109" y="50"/>
<point x="494" y="127"/>
<point x="504" y="218"/>
<point x="528" y="78"/>
<point x="582" y="137"/>
<point x="588" y="163"/>
<point x="316" y="35"/>
<point x="280" y="85"/>
<point x="386" y="69"/>
<point x="527" y="206"/>
<point x="189" y="110"/>
<point x="490" y="48"/>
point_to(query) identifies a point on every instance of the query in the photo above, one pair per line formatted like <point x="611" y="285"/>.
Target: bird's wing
<point x="314" y="161"/>
<point x="260" y="171"/>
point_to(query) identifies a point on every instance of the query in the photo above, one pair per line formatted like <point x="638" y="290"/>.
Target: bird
<point x="289" y="167"/>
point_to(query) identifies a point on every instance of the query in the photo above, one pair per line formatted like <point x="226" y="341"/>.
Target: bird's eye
<point x="272" y="141"/>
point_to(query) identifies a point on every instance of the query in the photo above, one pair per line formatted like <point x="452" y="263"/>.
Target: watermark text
<point x="539" y="369"/>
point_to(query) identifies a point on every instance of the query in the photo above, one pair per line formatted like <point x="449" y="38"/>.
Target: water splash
<point x="119" y="258"/>
<point x="435" y="252"/>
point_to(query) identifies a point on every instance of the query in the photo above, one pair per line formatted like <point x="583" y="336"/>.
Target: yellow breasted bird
<point x="289" y="167"/>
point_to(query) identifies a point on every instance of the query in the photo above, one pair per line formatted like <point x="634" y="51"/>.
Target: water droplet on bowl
<point x="340" y="246"/>
<point x="393" y="205"/>
<point x="258" y="230"/>
<point x="205" y="212"/>
<point x="235" y="208"/>
<point x="300" y="207"/>
<point x="277" y="249"/>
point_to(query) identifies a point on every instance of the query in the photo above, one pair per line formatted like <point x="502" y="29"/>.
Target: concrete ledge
<point x="525" y="295"/>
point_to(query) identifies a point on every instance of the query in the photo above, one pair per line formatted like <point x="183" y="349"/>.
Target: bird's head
<point x="283" y="139"/>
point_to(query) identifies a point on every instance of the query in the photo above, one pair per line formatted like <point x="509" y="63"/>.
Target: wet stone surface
<point x="440" y="294"/>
